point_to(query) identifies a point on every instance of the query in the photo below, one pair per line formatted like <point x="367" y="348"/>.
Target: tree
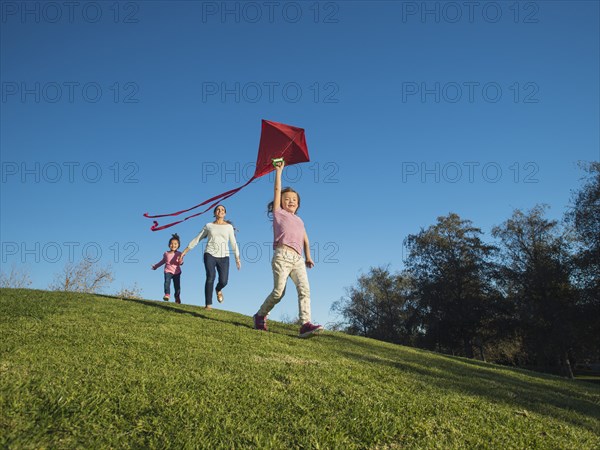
<point x="536" y="276"/>
<point x="134" y="292"/>
<point x="17" y="278"/>
<point x="85" y="276"/>
<point x="584" y="220"/>
<point x="378" y="306"/>
<point x="455" y="297"/>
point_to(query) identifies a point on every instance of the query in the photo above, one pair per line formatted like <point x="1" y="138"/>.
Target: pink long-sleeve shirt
<point x="170" y="260"/>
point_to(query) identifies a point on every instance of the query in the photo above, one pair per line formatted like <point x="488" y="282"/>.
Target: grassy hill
<point x="85" y="371"/>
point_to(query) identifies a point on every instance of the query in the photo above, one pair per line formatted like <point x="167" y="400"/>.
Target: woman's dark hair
<point x="286" y="189"/>
<point x="175" y="237"/>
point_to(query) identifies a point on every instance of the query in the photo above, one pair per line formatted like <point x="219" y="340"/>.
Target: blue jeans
<point x="213" y="266"/>
<point x="176" y="283"/>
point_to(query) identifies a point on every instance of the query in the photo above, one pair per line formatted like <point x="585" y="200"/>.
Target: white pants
<point x="287" y="263"/>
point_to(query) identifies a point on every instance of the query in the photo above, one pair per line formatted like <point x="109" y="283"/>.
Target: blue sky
<point x="412" y="110"/>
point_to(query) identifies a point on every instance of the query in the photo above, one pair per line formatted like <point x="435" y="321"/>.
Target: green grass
<point x="588" y="378"/>
<point x="84" y="371"/>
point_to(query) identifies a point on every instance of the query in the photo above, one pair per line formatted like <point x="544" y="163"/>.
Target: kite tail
<point x="216" y="200"/>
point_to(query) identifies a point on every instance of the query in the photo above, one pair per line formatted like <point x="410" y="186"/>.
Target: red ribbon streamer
<point x="216" y="199"/>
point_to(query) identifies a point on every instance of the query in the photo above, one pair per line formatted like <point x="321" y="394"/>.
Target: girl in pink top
<point x="172" y="264"/>
<point x="289" y="239"/>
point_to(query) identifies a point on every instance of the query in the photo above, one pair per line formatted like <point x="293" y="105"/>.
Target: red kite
<point x="277" y="141"/>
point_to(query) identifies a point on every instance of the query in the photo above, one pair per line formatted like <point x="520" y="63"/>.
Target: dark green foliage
<point x="532" y="300"/>
<point x="451" y="267"/>
<point x="584" y="220"/>
<point x="536" y="275"/>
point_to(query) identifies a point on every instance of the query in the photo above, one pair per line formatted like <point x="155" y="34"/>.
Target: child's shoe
<point x="166" y="297"/>
<point x="308" y="329"/>
<point x="220" y="297"/>
<point x="177" y="299"/>
<point x="260" y="322"/>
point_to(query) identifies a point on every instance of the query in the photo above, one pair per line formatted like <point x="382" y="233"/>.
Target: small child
<point x="172" y="264"/>
<point x="289" y="240"/>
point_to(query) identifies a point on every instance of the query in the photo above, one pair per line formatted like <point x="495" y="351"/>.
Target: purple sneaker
<point x="308" y="329"/>
<point x="260" y="322"/>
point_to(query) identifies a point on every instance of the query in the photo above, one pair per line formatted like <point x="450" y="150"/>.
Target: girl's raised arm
<point x="277" y="193"/>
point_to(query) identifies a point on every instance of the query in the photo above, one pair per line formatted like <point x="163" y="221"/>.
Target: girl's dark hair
<point x="283" y="191"/>
<point x="227" y="221"/>
<point x="175" y="237"/>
